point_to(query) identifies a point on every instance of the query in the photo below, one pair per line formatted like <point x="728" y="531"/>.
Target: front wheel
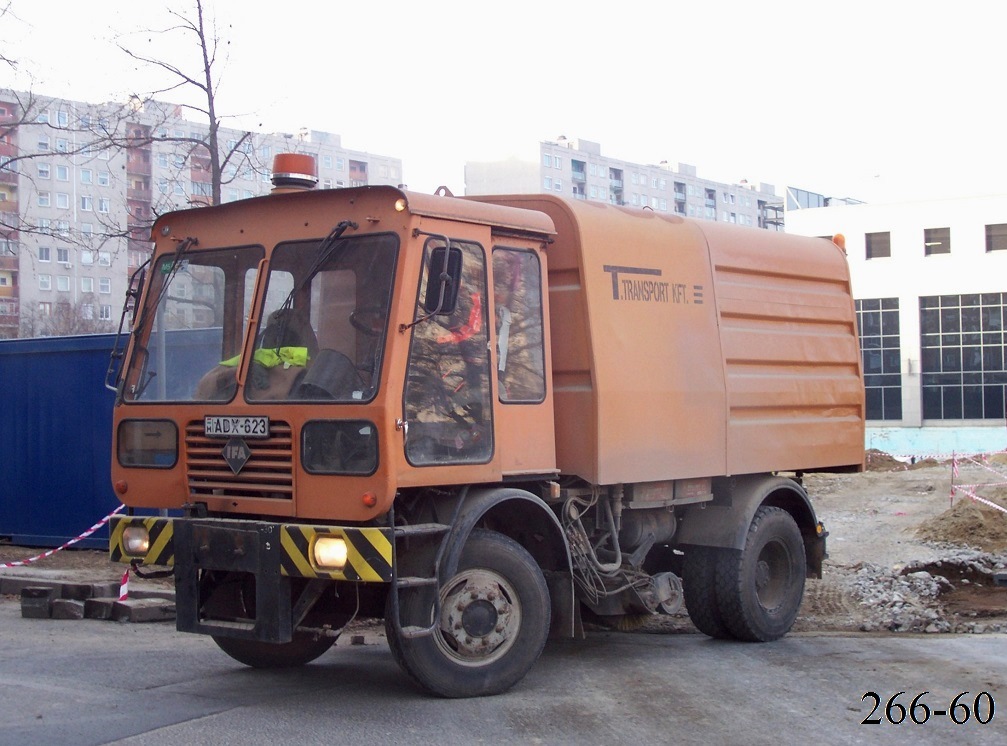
<point x="257" y="654"/>
<point x="759" y="590"/>
<point x="493" y="622"/>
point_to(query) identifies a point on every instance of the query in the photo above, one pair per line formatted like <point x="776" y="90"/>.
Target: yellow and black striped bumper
<point x="368" y="550"/>
<point x="160" y="531"/>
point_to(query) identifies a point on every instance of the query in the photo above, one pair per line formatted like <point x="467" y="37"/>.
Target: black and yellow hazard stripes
<point x="160" y="549"/>
<point x="368" y="552"/>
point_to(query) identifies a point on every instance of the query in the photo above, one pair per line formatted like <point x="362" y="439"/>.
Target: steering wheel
<point x="369" y="320"/>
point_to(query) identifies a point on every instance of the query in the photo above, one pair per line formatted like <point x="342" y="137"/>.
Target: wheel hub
<point x="477" y="616"/>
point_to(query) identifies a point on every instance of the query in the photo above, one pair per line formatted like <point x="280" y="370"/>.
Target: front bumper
<point x="272" y="555"/>
<point x="256" y="547"/>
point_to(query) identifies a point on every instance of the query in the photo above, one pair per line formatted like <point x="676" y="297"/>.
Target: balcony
<point x="579" y="176"/>
<point x="615" y="183"/>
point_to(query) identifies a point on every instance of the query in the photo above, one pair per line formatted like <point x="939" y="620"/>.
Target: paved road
<point x="91" y="682"/>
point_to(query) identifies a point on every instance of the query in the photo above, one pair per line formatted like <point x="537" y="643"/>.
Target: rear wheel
<point x="700" y="590"/>
<point x="759" y="590"/>
<point x="492" y="626"/>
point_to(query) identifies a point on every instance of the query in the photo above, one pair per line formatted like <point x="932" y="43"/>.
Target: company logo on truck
<point x="649" y="290"/>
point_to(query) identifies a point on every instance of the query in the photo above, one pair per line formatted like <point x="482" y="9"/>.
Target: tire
<point x="258" y="654"/>
<point x="231" y="598"/>
<point x="494" y="622"/>
<point x="700" y="590"/>
<point x="759" y="589"/>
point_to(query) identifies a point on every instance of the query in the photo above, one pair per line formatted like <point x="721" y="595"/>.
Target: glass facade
<point x="962" y="356"/>
<point x="878" y="324"/>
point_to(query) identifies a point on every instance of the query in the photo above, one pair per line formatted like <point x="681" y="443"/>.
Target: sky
<point x="887" y="100"/>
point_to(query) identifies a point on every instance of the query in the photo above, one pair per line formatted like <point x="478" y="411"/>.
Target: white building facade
<point x="81" y="183"/>
<point x="930" y="283"/>
<point x="577" y="169"/>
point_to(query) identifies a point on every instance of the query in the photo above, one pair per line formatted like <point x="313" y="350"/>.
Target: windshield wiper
<point x="325" y="251"/>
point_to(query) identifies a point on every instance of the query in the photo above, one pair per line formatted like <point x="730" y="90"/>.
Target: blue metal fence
<point x="55" y="439"/>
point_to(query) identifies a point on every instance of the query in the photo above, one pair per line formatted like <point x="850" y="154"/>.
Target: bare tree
<point x="4" y="59"/>
<point x="202" y="79"/>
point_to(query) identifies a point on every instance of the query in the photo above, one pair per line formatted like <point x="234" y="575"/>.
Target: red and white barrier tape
<point x="970" y="493"/>
<point x="970" y="489"/>
<point x="50" y="552"/>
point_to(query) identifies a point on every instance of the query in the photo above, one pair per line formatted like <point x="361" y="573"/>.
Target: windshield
<point x="323" y="325"/>
<point x="202" y="302"/>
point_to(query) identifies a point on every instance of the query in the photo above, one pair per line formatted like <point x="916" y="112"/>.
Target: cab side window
<point x="517" y="290"/>
<point x="447" y="395"/>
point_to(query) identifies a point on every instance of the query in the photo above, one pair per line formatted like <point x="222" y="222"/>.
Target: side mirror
<point x="444" y="275"/>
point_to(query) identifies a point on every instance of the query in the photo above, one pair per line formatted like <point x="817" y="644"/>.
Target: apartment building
<point x="81" y="183"/>
<point x="577" y="169"/>
<point x="930" y="282"/>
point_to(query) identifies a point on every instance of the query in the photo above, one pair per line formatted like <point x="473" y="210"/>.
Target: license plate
<point x="219" y="426"/>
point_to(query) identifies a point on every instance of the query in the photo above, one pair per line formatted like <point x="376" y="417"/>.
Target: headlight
<point x="148" y="443"/>
<point x="135" y="541"/>
<point x="329" y="553"/>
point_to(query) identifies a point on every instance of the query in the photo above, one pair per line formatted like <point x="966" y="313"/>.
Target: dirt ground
<point x="903" y="555"/>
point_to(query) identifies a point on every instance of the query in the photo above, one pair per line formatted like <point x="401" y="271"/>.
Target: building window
<point x="43" y="171"/>
<point x="104" y="259"/>
<point x="879" y="245"/>
<point x="85" y="203"/>
<point x="962" y="356"/>
<point x="44" y="199"/>
<point x="936" y="241"/>
<point x="87" y="311"/>
<point x="45" y="308"/>
<point x="105" y="313"/>
<point x="85" y="176"/>
<point x="63" y="283"/>
<point x="44" y="254"/>
<point x="87" y="284"/>
<point x="881" y="354"/>
<point x="103" y="178"/>
<point x="43" y="143"/>
<point x="45" y="282"/>
<point x="103" y="204"/>
<point x="104" y="285"/>
<point x="996" y="237"/>
<point x="63" y="200"/>
<point x="86" y="256"/>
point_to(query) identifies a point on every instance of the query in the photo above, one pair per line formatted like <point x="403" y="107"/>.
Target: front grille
<point x="267" y="473"/>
